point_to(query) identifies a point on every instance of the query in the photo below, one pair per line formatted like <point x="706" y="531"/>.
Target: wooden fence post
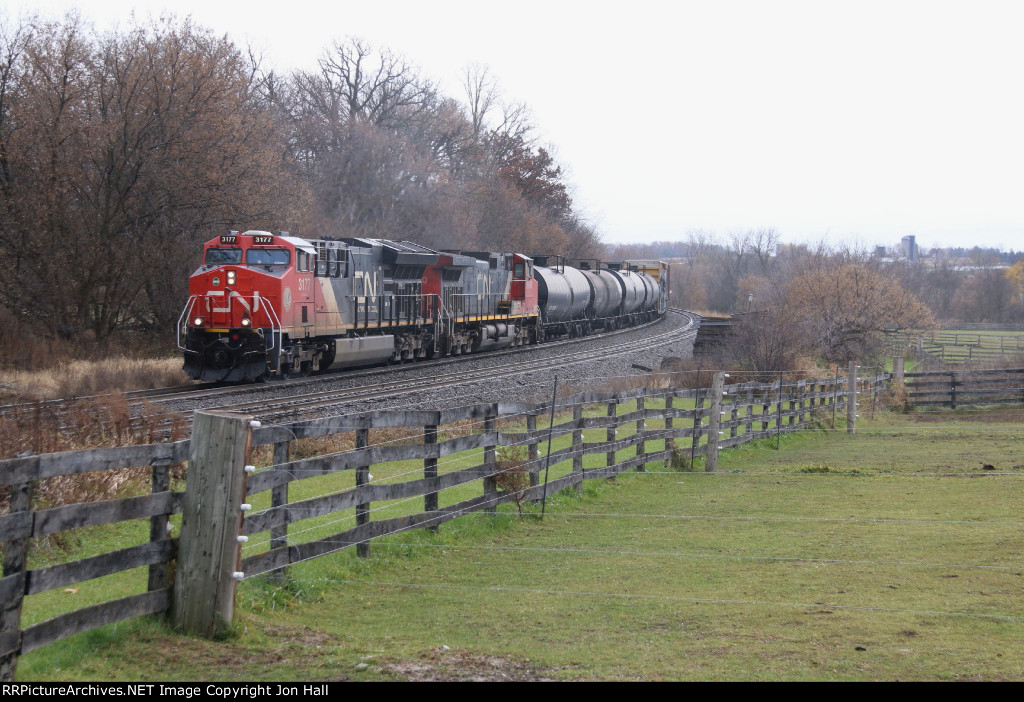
<point x="610" y="433"/>
<point x="851" y="399"/>
<point x="766" y="411"/>
<point x="670" y="442"/>
<point x="714" y="423"/>
<point x="430" y="465"/>
<point x="160" y="482"/>
<point x="362" y="478"/>
<point x="279" y="501"/>
<point x="698" y="403"/>
<point x="577" y="446"/>
<point x="12" y="586"/>
<point x="490" y="465"/>
<point x="641" y="427"/>
<point x="897" y="369"/>
<point x="534" y="448"/>
<point x="211" y="521"/>
<point x="749" y="424"/>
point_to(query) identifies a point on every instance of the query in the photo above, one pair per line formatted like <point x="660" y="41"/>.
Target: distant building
<point x="908" y="246"/>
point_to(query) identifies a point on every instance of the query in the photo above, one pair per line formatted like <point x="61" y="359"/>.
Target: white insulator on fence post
<point x="238" y="575"/>
<point x="242" y="539"/>
<point x="255" y="424"/>
<point x="245" y="507"/>
<point x="250" y="469"/>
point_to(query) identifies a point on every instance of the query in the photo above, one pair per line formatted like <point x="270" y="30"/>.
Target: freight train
<point x="263" y="304"/>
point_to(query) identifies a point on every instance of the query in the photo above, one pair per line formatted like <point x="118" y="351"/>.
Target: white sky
<point x="855" y="121"/>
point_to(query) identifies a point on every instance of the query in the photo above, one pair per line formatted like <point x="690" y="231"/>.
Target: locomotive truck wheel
<point x="306" y="368"/>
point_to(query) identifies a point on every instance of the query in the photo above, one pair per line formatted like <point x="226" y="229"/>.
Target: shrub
<point x="513" y="474"/>
<point x="896" y="398"/>
<point x="680" y="459"/>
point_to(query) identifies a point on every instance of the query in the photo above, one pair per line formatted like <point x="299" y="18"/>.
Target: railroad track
<point x="298" y="404"/>
<point x="269" y="409"/>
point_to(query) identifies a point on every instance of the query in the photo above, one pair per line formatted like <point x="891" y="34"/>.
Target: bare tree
<point x="378" y="86"/>
<point x="129" y="147"/>
<point x="846" y="310"/>
<point x="762" y="243"/>
<point x="482" y="95"/>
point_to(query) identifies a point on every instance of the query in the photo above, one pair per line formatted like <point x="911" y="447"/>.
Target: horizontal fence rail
<point x="958" y="347"/>
<point x="24" y="522"/>
<point x="957" y="388"/>
<point x="628" y="429"/>
<point x="449" y="463"/>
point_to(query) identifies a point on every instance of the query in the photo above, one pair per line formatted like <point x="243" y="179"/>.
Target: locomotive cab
<point x="240" y="300"/>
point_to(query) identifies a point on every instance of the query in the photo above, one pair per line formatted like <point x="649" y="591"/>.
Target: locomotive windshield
<point x="219" y="257"/>
<point x="267" y="257"/>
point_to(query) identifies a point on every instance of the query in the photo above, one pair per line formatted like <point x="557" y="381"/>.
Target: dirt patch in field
<point x="438" y="665"/>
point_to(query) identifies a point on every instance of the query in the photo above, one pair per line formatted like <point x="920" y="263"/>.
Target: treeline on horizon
<point x="746" y="271"/>
<point x="980" y="256"/>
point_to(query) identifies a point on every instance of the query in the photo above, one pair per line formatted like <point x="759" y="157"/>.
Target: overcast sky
<point x="851" y="121"/>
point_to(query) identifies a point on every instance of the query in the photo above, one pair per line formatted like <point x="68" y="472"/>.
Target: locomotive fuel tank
<point x="361" y="351"/>
<point x="498" y="335"/>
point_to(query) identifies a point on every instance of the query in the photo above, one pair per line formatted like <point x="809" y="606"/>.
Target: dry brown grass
<point x="90" y="422"/>
<point x="83" y="378"/>
<point x="711" y="313"/>
<point x="95" y="422"/>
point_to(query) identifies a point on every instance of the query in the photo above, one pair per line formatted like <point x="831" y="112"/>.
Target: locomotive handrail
<point x="468" y="309"/>
<point x="184" y="314"/>
<point x="275" y="324"/>
<point x="275" y="321"/>
<point x="444" y="316"/>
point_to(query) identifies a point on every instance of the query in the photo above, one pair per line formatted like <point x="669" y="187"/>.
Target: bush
<point x="513" y="474"/>
<point x="680" y="459"/>
<point x="896" y="398"/>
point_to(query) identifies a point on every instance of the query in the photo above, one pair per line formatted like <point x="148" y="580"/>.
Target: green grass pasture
<point x="891" y="554"/>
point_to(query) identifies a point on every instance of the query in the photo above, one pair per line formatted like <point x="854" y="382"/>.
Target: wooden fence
<point x="595" y="435"/>
<point x="957" y="388"/>
<point x="24" y="522"/>
<point x="957" y="346"/>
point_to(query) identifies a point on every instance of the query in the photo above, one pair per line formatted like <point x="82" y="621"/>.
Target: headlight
<point x="198" y="322"/>
<point x="231" y="277"/>
<point x="246" y="321"/>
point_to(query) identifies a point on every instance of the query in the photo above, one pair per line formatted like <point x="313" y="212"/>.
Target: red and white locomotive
<point x="263" y="304"/>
